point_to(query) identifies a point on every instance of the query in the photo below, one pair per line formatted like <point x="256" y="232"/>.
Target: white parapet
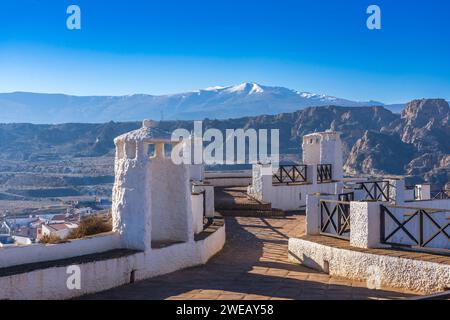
<point x="377" y="269"/>
<point x="197" y="211"/>
<point x="207" y="192"/>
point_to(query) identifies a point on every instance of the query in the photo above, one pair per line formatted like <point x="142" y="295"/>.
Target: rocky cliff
<point x="415" y="144"/>
<point x="375" y="140"/>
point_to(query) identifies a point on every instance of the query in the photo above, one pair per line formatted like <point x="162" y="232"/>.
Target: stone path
<point x="252" y="265"/>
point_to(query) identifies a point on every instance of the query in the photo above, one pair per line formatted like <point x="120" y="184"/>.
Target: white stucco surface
<point x="365" y="224"/>
<point x="293" y="197"/>
<point x="415" y="275"/>
<point x="51" y="283"/>
<point x="197" y="212"/>
<point x="208" y="190"/>
<point x="232" y="178"/>
<point x="17" y="255"/>
<point x="169" y="191"/>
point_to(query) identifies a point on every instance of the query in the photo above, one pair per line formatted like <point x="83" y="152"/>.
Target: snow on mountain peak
<point x="309" y="95"/>
<point x="256" y="89"/>
<point x="246" y="87"/>
<point x="215" y="88"/>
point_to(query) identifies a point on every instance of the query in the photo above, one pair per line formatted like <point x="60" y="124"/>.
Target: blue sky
<point x="158" y="47"/>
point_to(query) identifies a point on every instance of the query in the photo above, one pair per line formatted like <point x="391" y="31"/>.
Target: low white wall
<point x="229" y="178"/>
<point x="293" y="197"/>
<point x="197" y="212"/>
<point x="179" y="256"/>
<point x="230" y="182"/>
<point x="210" y="208"/>
<point x="389" y="271"/>
<point x="209" y="193"/>
<point x="230" y="173"/>
<point x="17" y="255"/>
<point x="51" y="283"/>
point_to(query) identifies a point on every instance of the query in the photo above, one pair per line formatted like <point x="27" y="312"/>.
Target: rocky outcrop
<point x="375" y="140"/>
<point x="376" y="153"/>
<point x="425" y="123"/>
<point x="419" y="141"/>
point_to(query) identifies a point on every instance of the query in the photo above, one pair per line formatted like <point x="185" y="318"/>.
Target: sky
<point x="161" y="47"/>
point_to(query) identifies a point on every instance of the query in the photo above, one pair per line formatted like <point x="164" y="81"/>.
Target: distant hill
<point x="246" y="99"/>
<point x="375" y="140"/>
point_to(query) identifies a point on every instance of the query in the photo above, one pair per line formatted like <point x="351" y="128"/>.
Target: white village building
<point x="60" y="230"/>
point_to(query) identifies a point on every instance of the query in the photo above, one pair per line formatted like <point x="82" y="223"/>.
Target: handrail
<point x="337" y="218"/>
<point x="290" y="174"/>
<point x="375" y="190"/>
<point x="429" y="210"/>
<point x="324" y="172"/>
<point x="420" y="237"/>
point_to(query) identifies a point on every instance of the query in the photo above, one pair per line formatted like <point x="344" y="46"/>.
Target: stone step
<point x="252" y="213"/>
<point x="236" y="198"/>
<point x="235" y="202"/>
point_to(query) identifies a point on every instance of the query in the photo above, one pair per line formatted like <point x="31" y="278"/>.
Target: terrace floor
<point x="252" y="265"/>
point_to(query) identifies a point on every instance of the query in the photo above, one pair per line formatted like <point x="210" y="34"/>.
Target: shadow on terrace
<point x="252" y="265"/>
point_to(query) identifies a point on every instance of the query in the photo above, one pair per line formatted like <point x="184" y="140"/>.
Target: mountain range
<point x="246" y="99"/>
<point x="376" y="141"/>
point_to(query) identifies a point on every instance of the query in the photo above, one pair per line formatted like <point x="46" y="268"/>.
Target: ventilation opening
<point x="326" y="266"/>
<point x="120" y="150"/>
<point x="151" y="150"/>
<point x="168" y="150"/>
<point x="130" y="149"/>
<point x="132" y="276"/>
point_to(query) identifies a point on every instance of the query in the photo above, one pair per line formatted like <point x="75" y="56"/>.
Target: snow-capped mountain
<point x="246" y="99"/>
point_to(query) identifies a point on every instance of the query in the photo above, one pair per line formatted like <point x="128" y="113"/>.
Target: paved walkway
<point x="252" y="265"/>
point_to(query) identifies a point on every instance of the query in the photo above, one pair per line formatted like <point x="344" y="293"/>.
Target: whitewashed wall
<point x="197" y="212"/>
<point x="51" y="283"/>
<point x="383" y="270"/>
<point x="229" y="178"/>
<point x="293" y="197"/>
<point x="17" y="255"/>
<point x="209" y="194"/>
